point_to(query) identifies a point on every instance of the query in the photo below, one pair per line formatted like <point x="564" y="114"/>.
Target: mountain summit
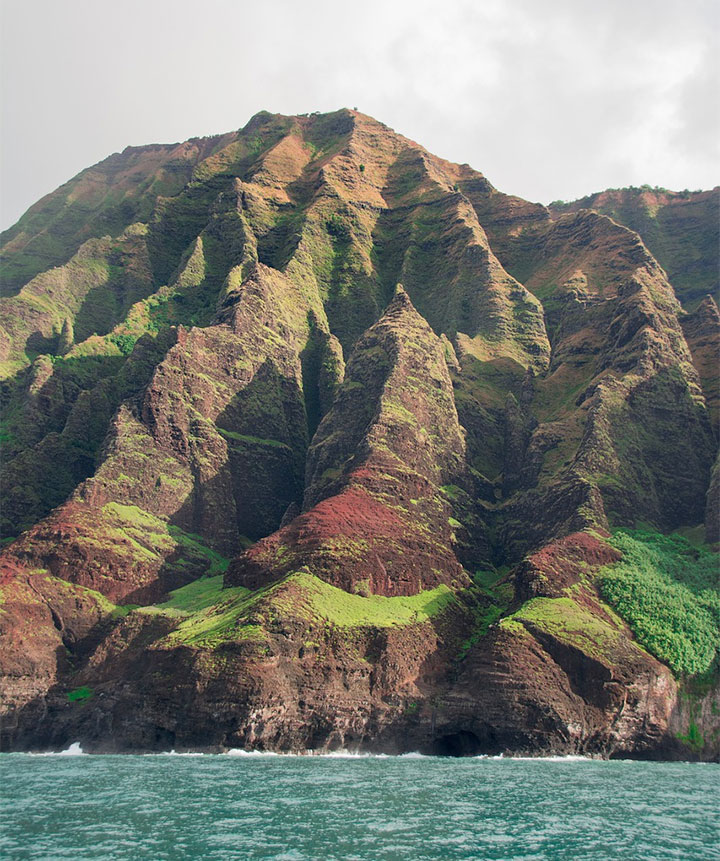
<point x="314" y="440"/>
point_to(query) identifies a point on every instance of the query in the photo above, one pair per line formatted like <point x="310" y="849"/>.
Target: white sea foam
<point x="238" y="751"/>
<point x="349" y="754"/>
<point x="73" y="750"/>
<point x="570" y="757"/>
<point x="355" y="754"/>
<point x="183" y="753"/>
<point x="323" y="754"/>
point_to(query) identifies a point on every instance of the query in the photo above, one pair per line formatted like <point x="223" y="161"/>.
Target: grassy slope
<point x="571" y="623"/>
<point x="664" y="587"/>
<point x="668" y="592"/>
<point x="212" y="615"/>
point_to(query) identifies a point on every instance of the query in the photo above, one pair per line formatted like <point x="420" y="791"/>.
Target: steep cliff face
<point x="702" y="332"/>
<point x="597" y="437"/>
<point x="375" y="520"/>
<point x="261" y="495"/>
<point x="679" y="228"/>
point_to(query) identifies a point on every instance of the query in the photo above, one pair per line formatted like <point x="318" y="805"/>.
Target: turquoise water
<point x="285" y="807"/>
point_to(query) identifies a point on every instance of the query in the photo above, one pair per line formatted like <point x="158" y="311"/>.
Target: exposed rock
<point x="712" y="506"/>
<point x="679" y="228"/>
<point x="702" y="332"/>
<point x="374" y="518"/>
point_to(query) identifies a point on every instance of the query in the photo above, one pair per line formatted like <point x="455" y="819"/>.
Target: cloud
<point x="552" y="99"/>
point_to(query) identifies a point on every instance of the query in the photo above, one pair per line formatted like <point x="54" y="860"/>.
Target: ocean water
<point x="355" y="807"/>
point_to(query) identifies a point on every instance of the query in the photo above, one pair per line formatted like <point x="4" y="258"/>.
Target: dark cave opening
<point x="462" y="743"/>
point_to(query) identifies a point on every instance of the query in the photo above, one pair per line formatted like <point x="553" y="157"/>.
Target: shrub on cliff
<point x="667" y="591"/>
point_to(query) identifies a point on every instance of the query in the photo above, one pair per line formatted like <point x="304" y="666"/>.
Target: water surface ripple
<point x="325" y="808"/>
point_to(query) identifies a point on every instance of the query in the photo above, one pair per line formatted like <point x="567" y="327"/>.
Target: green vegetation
<point x="339" y="227"/>
<point x="194" y="546"/>
<point x="196" y="596"/>
<point x="492" y="597"/>
<point x="80" y="695"/>
<point x="212" y="614"/>
<point x="82" y="593"/>
<point x="344" y="610"/>
<point x="667" y="591"/>
<point x="694" y="738"/>
<point x="484" y="617"/>
<point x="215" y="615"/>
<point x="141" y="536"/>
<point x="7" y="437"/>
<point x="452" y="491"/>
<point x="571" y="623"/>
<point x="252" y="440"/>
<point x="124" y="343"/>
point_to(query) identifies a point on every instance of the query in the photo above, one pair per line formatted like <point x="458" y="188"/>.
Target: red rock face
<point x="355" y="542"/>
<point x="379" y="457"/>
<point x="408" y="491"/>
<point x="554" y="568"/>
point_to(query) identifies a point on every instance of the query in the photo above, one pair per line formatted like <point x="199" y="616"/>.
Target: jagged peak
<point x="708" y="308"/>
<point x="401" y="314"/>
<point x="400" y="301"/>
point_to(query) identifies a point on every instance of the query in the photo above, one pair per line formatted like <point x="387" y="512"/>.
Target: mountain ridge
<point x="242" y="460"/>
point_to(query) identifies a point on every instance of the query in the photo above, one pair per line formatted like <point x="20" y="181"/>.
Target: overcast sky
<point x="548" y="98"/>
